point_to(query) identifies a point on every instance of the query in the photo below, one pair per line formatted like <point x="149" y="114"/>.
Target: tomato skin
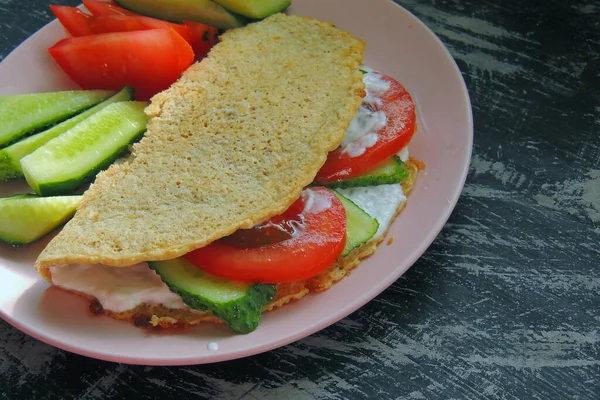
<point x="149" y="61"/>
<point x="107" y="18"/>
<point x="101" y="7"/>
<point x="204" y="37"/>
<point x="304" y="255"/>
<point x="75" y="21"/>
<point x="399" y="108"/>
<point x="78" y="23"/>
<point x="128" y="23"/>
<point x="200" y="36"/>
<point x="275" y="229"/>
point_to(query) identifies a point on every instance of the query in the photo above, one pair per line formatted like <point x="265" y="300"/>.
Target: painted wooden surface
<point x="504" y="305"/>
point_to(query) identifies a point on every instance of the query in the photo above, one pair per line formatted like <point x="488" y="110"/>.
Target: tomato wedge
<point x="400" y="126"/>
<point x="204" y="37"/>
<point x="73" y="20"/>
<point x="100" y="7"/>
<point x="77" y="23"/>
<point x="129" y="23"/>
<point x="314" y="231"/>
<point x="201" y="37"/>
<point x="149" y="61"/>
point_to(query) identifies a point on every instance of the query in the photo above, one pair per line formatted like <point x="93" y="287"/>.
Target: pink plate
<point x="398" y="44"/>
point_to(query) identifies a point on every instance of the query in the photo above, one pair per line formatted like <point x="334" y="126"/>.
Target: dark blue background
<point x="504" y="305"/>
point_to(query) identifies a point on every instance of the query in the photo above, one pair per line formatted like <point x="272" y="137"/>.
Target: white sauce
<point x="117" y="289"/>
<point x="314" y="203"/>
<point x="362" y="132"/>
<point x="375" y="86"/>
<point x="403" y="154"/>
<point x="380" y="202"/>
<point x="364" y="121"/>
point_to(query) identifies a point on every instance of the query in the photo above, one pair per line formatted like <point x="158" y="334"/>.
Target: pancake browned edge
<point x="158" y="316"/>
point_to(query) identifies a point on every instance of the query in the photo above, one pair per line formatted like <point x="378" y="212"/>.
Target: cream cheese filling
<point x="380" y="202"/>
<point x="117" y="288"/>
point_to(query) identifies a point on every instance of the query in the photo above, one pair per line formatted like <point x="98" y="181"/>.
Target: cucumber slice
<point x="25" y="218"/>
<point x="205" y="11"/>
<point x="24" y="113"/>
<point x="360" y="226"/>
<point x="10" y="157"/>
<point x="386" y="173"/>
<point x="238" y="304"/>
<point x="75" y="157"/>
<point x="256" y="9"/>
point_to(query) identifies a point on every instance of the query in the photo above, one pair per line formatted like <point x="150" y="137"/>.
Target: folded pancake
<point x="232" y="143"/>
<point x="138" y="295"/>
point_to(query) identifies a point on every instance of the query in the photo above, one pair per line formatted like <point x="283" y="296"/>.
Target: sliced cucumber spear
<point x="238" y="304"/>
<point x="10" y="157"/>
<point x="25" y="218"/>
<point x="22" y="114"/>
<point x="256" y="9"/>
<point x="75" y="157"/>
<point x="360" y="226"/>
<point x="386" y="173"/>
<point x="205" y="11"/>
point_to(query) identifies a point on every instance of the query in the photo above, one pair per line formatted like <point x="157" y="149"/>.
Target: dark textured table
<point x="505" y="303"/>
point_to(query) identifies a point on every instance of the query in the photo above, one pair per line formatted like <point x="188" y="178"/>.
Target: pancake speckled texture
<point x="233" y="142"/>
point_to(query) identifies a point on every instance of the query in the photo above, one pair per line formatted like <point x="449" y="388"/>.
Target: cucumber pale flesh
<point x="256" y="9"/>
<point x="360" y="226"/>
<point x="10" y="157"/>
<point x="27" y="217"/>
<point x="24" y="113"/>
<point x="205" y="11"/>
<point x="75" y="157"/>
<point x="238" y="304"/>
<point x="386" y="173"/>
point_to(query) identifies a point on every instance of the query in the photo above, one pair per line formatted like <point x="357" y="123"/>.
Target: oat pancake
<point x="233" y="142"/>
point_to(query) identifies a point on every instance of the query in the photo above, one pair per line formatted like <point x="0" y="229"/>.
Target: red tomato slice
<point x="77" y="23"/>
<point x="204" y="37"/>
<point x="149" y="61"/>
<point x="128" y="23"/>
<point x="73" y="20"/>
<point x="100" y="7"/>
<point x="319" y="238"/>
<point x="399" y="109"/>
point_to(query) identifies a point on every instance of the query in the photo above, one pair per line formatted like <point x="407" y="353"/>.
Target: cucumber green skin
<point x="256" y="9"/>
<point x="26" y="221"/>
<point x="205" y="11"/>
<point x="10" y="157"/>
<point x="8" y="170"/>
<point x="69" y="186"/>
<point x="389" y="172"/>
<point x="242" y="314"/>
<point x="360" y="226"/>
<point x="23" y="114"/>
<point x="51" y="186"/>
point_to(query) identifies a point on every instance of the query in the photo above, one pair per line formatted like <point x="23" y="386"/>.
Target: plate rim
<point x="316" y="325"/>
